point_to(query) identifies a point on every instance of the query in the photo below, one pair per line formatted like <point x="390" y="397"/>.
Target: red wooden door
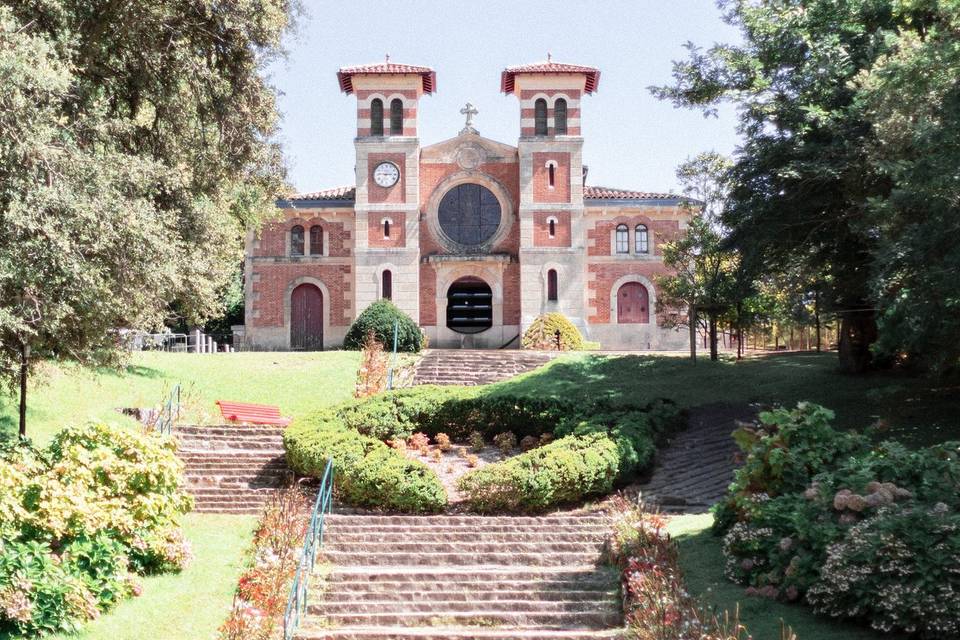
<point x="306" y="321"/>
<point x="633" y="304"/>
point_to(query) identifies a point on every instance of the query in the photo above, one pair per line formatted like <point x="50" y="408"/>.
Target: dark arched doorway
<point x="306" y="318"/>
<point x="633" y="304"/>
<point x="469" y="305"/>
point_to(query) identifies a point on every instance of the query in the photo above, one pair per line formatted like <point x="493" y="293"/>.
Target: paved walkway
<point x="692" y="473"/>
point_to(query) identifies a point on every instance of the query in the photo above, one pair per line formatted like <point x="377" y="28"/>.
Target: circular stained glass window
<point x="469" y="214"/>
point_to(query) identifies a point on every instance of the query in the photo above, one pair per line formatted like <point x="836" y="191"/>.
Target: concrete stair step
<point x="431" y="536"/>
<point x="462" y="547"/>
<point x="477" y="617"/>
<point x="472" y="574"/>
<point x="440" y="607"/>
<point x="452" y="633"/>
<point x="505" y="558"/>
<point x="467" y="592"/>
<point x="588" y="519"/>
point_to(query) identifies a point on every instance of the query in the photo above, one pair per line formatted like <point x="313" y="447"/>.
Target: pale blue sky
<point x="632" y="140"/>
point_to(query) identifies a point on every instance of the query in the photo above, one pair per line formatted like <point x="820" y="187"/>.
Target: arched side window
<point x="551" y="175"/>
<point x="560" y="117"/>
<point x="642" y="239"/>
<point x="540" y="117"/>
<point x="552" y="227"/>
<point x="386" y="228"/>
<point x="623" y="239"/>
<point x="552" y="285"/>
<point x="316" y="240"/>
<point x="296" y="241"/>
<point x="376" y="117"/>
<point x="386" y="285"/>
<point x="396" y="117"/>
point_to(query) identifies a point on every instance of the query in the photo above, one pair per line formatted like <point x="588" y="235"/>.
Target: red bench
<point x="245" y="412"/>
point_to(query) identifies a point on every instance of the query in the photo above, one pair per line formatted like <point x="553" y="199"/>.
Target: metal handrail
<point x="170" y="412"/>
<point x="297" y="602"/>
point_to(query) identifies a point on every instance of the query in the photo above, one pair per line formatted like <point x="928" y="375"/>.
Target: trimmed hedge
<point x="595" y="454"/>
<point x="379" y="318"/>
<point x="543" y="331"/>
<point x="367" y="472"/>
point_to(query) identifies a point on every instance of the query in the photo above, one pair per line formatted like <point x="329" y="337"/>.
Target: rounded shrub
<point x="552" y="332"/>
<point x="380" y="318"/>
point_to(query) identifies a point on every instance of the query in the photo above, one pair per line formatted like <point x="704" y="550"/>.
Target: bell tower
<point x="386" y="231"/>
<point x="552" y="251"/>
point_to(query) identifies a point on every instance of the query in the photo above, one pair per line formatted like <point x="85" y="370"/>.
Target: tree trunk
<point x="816" y="316"/>
<point x="858" y="330"/>
<point x="693" y="333"/>
<point x="24" y="363"/>
<point x="713" y="337"/>
<point x="739" y="329"/>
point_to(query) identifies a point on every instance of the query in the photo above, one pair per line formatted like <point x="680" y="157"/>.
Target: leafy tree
<point x="135" y="146"/>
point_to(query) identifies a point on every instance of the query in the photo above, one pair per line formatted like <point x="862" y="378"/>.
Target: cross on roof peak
<point x="549" y="57"/>
<point x="469" y="111"/>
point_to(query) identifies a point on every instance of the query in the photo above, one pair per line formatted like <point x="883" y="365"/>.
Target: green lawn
<point x="916" y="409"/>
<point x="187" y="606"/>
<point x="297" y="382"/>
<point x="702" y="562"/>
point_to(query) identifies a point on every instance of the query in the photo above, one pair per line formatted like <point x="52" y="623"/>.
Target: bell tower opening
<point x="469" y="305"/>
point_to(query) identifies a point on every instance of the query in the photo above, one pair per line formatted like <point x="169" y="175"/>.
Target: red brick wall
<point x="409" y="112"/>
<point x="511" y="293"/>
<point x="428" y="295"/>
<point x="394" y="194"/>
<point x="272" y="235"/>
<point x="541" y="229"/>
<point x="572" y="112"/>
<point x="398" y="229"/>
<point x="599" y="286"/>
<point x="541" y="185"/>
<point x="271" y="289"/>
<point x="660" y="231"/>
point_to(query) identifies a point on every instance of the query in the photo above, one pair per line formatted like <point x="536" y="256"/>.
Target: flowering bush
<point x="79" y="518"/>
<point x="859" y="531"/>
<point x="263" y="588"/>
<point x="656" y="603"/>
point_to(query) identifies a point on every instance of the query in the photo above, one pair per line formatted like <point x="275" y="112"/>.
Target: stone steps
<point x="475" y="367"/>
<point x="232" y="468"/>
<point x="458" y="577"/>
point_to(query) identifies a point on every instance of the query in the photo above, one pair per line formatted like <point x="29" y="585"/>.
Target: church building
<point x="471" y="237"/>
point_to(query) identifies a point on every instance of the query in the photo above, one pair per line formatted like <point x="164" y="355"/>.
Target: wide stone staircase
<point x="232" y="469"/>
<point x="476" y="366"/>
<point x="460" y="577"/>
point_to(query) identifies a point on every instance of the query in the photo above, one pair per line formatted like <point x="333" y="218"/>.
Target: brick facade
<point x="552" y="225"/>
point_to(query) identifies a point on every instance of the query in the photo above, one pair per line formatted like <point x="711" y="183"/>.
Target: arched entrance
<point x="469" y="305"/>
<point x="633" y="304"/>
<point x="306" y="318"/>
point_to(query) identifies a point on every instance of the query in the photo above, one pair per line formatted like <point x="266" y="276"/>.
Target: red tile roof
<point x="606" y="193"/>
<point x="335" y="193"/>
<point x="508" y="75"/>
<point x="345" y="75"/>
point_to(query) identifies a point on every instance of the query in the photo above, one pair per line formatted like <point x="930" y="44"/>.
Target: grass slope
<point x="702" y="561"/>
<point x="916" y="410"/>
<point x="297" y="382"/>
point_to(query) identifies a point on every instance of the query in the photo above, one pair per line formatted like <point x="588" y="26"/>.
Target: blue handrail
<point x="170" y="412"/>
<point x="297" y="602"/>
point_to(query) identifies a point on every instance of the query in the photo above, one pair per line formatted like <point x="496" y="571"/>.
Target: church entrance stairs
<point x="459" y="577"/>
<point x="476" y="366"/>
<point x="232" y="468"/>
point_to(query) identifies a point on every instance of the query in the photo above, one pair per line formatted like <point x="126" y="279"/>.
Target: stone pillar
<point x="197" y="344"/>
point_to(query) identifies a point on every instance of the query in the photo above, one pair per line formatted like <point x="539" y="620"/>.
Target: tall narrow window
<point x="316" y="240"/>
<point x="623" y="239"/>
<point x="552" y="226"/>
<point x="386" y="285"/>
<point x="551" y="175"/>
<point x="642" y="239"/>
<point x="396" y="117"/>
<point x="386" y="228"/>
<point x="376" y="117"/>
<point x="296" y="241"/>
<point x="540" y="117"/>
<point x="560" y="117"/>
<point x="552" y="284"/>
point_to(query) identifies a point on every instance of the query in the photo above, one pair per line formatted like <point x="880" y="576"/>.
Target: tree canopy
<point x="135" y="148"/>
<point x="848" y="112"/>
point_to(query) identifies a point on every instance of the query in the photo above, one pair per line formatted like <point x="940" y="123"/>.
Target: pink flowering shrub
<point x="850" y="527"/>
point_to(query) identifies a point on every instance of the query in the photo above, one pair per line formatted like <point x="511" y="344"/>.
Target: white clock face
<point x="386" y="174"/>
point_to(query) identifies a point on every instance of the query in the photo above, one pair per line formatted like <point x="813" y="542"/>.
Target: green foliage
<point x="136" y="146"/>
<point x="380" y="318"/>
<point x="78" y="517"/>
<point x="544" y="332"/>
<point x="814" y="513"/>
<point x="368" y="473"/>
